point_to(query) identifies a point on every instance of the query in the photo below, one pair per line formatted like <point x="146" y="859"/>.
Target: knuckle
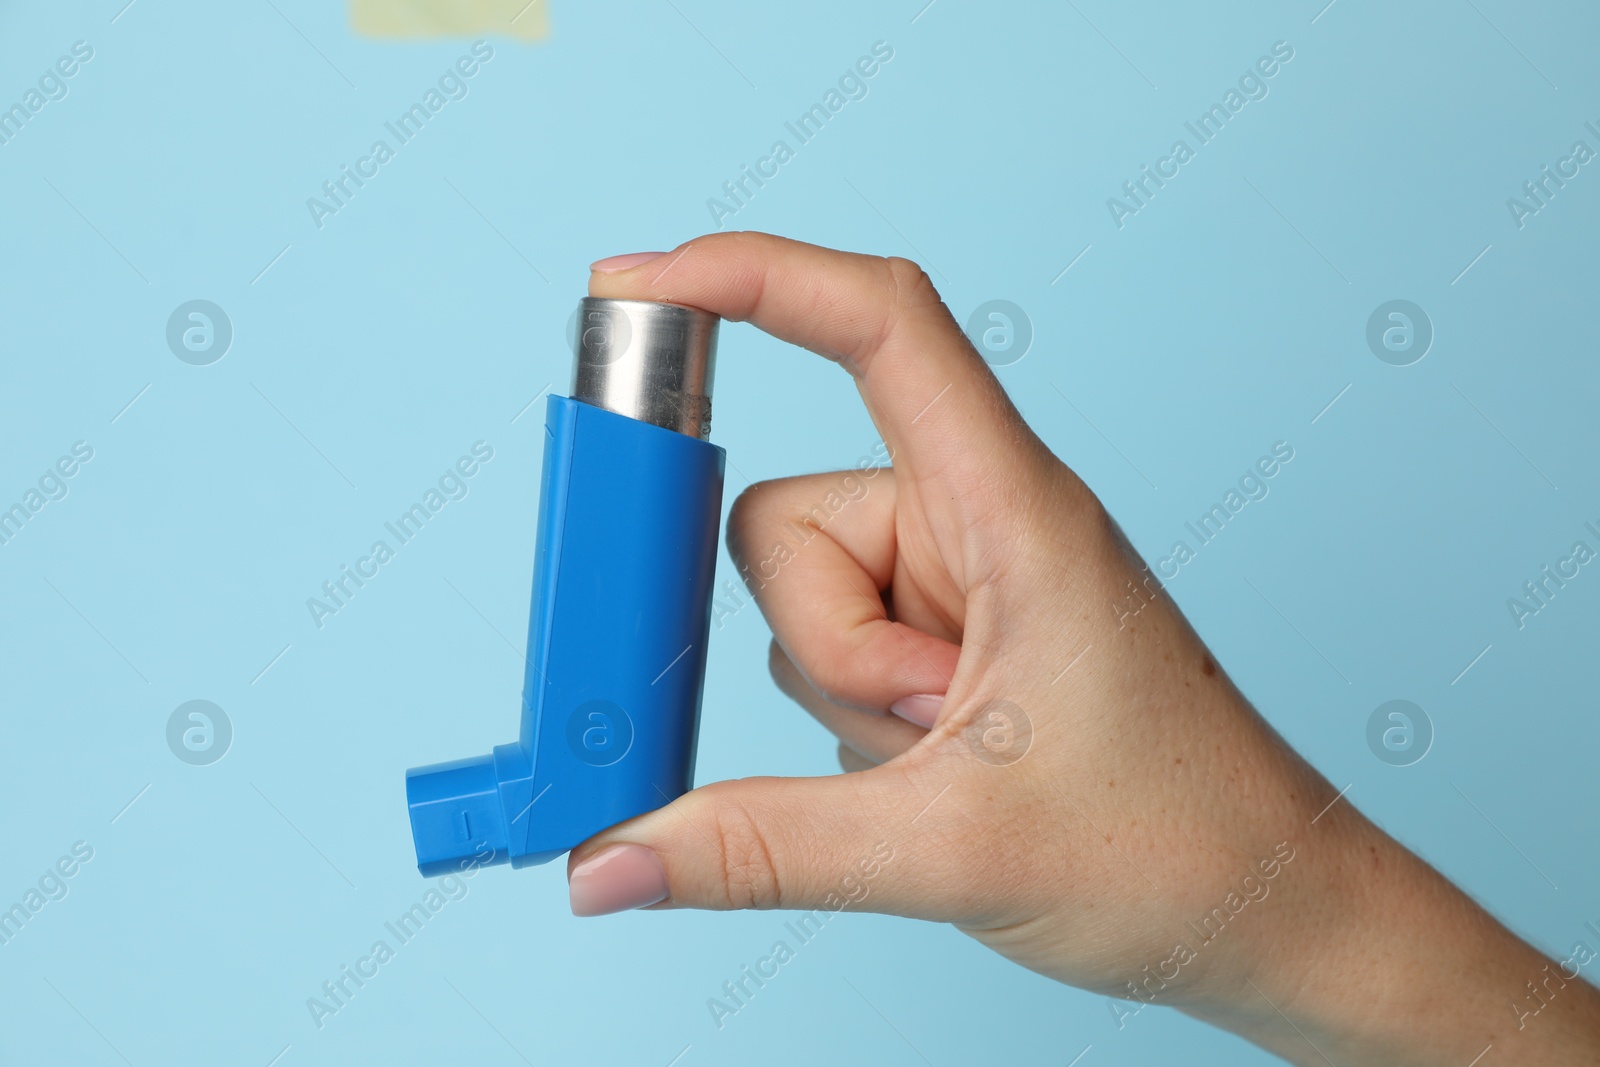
<point x="818" y="680"/>
<point x="731" y="241"/>
<point x="780" y="666"/>
<point x="828" y="677"/>
<point x="907" y="289"/>
<point x="766" y="507"/>
<point x="912" y="288"/>
<point x="746" y="517"/>
<point x="749" y="869"/>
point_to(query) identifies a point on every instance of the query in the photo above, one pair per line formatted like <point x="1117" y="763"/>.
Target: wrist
<point x="1388" y="962"/>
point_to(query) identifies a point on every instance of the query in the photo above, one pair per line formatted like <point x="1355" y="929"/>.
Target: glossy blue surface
<point x="617" y="638"/>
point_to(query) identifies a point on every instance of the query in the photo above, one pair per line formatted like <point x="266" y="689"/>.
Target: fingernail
<point x="619" y="878"/>
<point x="921" y="709"/>
<point x="613" y="264"/>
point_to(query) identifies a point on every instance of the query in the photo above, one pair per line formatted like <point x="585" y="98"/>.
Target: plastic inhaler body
<point x="626" y="553"/>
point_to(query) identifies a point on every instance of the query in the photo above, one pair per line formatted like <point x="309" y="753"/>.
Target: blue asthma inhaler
<point x="629" y="507"/>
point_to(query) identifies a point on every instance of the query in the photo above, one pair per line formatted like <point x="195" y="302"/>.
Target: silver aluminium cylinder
<point x="652" y="362"/>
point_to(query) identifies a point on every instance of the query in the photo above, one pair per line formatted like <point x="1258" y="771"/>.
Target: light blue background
<point x="1220" y="319"/>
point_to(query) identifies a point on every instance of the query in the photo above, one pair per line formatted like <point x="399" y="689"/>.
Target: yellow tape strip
<point x="423" y="19"/>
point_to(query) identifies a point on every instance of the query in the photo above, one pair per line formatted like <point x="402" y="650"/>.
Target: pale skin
<point x="1149" y="793"/>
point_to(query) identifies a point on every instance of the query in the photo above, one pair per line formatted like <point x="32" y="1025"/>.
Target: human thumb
<point x="845" y="841"/>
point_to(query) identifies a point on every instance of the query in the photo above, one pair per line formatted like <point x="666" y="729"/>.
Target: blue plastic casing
<point x="626" y="554"/>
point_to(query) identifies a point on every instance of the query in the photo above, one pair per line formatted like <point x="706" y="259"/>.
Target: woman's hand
<point x="1043" y="752"/>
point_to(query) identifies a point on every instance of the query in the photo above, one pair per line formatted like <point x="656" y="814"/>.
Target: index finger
<point x="930" y="394"/>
